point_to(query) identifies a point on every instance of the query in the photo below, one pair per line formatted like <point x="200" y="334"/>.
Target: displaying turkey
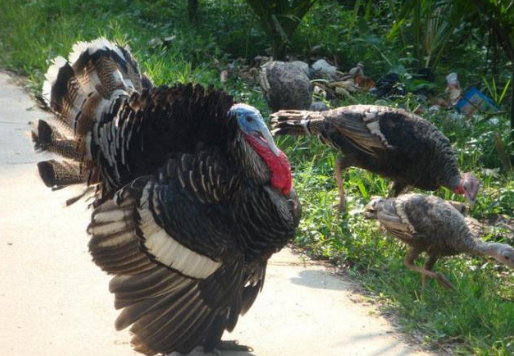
<point x="432" y="225"/>
<point x="192" y="195"/>
<point x="391" y="142"/>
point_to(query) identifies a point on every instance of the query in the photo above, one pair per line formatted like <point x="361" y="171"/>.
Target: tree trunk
<point x="504" y="36"/>
<point x="278" y="48"/>
<point x="192" y="9"/>
<point x="512" y="115"/>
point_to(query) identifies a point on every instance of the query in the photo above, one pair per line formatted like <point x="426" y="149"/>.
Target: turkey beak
<point x="264" y="132"/>
<point x="369" y="215"/>
<point x="470" y="198"/>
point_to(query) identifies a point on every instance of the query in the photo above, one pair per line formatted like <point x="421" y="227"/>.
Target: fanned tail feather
<point x="53" y="139"/>
<point x="60" y="173"/>
<point x="80" y="91"/>
<point x="292" y="122"/>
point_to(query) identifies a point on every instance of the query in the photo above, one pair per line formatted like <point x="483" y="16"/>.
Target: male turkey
<point x="391" y="142"/>
<point x="192" y="198"/>
<point x="432" y="225"/>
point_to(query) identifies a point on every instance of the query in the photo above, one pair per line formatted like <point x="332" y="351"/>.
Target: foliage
<point x="478" y="319"/>
<point x="280" y="18"/>
<point x="433" y="24"/>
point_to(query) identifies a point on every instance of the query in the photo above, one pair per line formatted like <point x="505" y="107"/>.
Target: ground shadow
<point x="321" y="279"/>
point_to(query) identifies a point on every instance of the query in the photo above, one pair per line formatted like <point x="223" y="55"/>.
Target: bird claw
<point x="444" y="282"/>
<point x="233" y="345"/>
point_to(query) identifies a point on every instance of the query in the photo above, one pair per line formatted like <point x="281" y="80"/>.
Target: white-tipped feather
<point x="101" y="109"/>
<point x="92" y="47"/>
<point x="118" y="78"/>
<point x="166" y="249"/>
<point x="112" y="215"/>
<point x="88" y="146"/>
<point x="118" y="240"/>
<point x="374" y="128"/>
<point x="108" y="229"/>
<point x="400" y="211"/>
<point x="90" y="83"/>
<point x="51" y="77"/>
<point x="171" y="253"/>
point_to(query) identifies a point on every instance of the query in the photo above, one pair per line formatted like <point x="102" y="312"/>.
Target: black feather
<point x="184" y="215"/>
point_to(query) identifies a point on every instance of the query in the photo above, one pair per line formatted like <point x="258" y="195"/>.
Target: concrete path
<point x="54" y="301"/>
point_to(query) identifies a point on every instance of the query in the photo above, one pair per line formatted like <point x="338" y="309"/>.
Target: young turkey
<point x="192" y="195"/>
<point x="432" y="225"/>
<point x="390" y="142"/>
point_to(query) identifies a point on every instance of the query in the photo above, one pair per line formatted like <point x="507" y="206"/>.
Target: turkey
<point x="192" y="196"/>
<point x="390" y="142"/>
<point x="432" y="225"/>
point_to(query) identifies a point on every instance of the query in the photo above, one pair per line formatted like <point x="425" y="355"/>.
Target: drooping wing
<point x="169" y="241"/>
<point x="361" y="125"/>
<point x="392" y="216"/>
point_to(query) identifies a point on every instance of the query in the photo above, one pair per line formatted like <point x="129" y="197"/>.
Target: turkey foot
<point x="428" y="266"/>
<point x="441" y="279"/>
<point x="444" y="282"/>
<point x="233" y="345"/>
<point x="409" y="263"/>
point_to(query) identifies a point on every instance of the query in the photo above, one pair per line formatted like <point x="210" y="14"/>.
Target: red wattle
<point x="459" y="189"/>
<point x="278" y="165"/>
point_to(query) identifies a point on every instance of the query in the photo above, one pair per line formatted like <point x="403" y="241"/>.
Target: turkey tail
<point x="295" y="122"/>
<point x="81" y="91"/>
<point x="53" y="139"/>
<point x="60" y="173"/>
<point x="82" y="88"/>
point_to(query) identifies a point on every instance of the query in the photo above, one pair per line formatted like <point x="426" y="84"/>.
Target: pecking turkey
<point x="391" y="142"/>
<point x="192" y="195"/>
<point x="432" y="225"/>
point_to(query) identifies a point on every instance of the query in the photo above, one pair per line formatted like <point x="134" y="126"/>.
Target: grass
<point x="479" y="318"/>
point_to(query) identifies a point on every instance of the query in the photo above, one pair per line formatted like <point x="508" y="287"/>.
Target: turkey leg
<point x="409" y="262"/>
<point x="233" y="345"/>
<point x="428" y="266"/>
<point x="398" y="188"/>
<point x="342" y="163"/>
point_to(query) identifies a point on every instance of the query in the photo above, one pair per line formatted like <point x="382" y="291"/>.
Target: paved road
<point x="54" y="301"/>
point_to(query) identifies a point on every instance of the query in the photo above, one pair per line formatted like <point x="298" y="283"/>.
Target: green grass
<point x="479" y="318"/>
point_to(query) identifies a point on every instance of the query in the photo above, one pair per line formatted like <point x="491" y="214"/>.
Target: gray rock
<point x="323" y="69"/>
<point x="318" y="106"/>
<point x="286" y="85"/>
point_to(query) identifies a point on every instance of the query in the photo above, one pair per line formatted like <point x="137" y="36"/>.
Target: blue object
<point x="474" y="100"/>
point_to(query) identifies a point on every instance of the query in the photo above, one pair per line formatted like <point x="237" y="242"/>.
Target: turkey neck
<point x="253" y="167"/>
<point x="447" y="163"/>
<point x="479" y="247"/>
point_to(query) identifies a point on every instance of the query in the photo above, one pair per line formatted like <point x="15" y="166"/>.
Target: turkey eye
<point x="249" y="119"/>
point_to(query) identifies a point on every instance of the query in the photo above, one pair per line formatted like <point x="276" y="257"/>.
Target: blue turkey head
<point x="251" y="123"/>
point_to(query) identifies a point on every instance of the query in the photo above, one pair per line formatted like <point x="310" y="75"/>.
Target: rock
<point x="323" y="69"/>
<point x="357" y="70"/>
<point x="286" y="85"/>
<point x="318" y="106"/>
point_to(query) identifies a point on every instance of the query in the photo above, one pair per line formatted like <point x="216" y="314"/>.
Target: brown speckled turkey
<point x="391" y="142"/>
<point x="192" y="195"/>
<point x="432" y="225"/>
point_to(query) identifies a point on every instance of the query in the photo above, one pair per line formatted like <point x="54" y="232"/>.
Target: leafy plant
<point x="280" y="18"/>
<point x="433" y="23"/>
<point x="496" y="93"/>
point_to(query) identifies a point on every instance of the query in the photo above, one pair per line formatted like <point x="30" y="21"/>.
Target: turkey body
<point x="390" y="142"/>
<point x="432" y="225"/>
<point x="191" y="196"/>
<point x="426" y="223"/>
